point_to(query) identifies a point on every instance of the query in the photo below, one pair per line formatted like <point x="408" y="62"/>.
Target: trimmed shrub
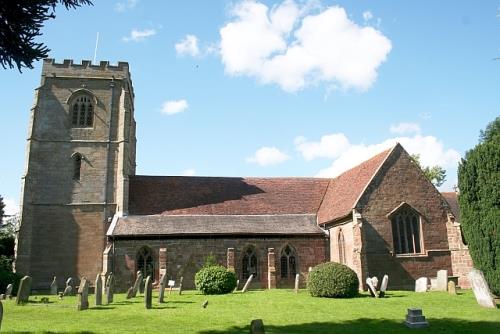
<point x="215" y="280"/>
<point x="332" y="280"/>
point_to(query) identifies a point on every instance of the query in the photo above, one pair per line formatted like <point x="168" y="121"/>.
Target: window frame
<point x="249" y="252"/>
<point x="292" y="254"/>
<point x="78" y="117"/>
<point x="141" y="253"/>
<point x="396" y="234"/>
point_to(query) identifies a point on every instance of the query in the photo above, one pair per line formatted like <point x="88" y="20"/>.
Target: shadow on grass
<point x="372" y="326"/>
<point x="101" y="308"/>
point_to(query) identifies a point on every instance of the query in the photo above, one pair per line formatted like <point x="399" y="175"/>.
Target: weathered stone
<point x="83" y="295"/>
<point x="442" y="280"/>
<point x="67" y="291"/>
<point x="383" y="286"/>
<point x="257" y="327"/>
<point x="8" y="291"/>
<point x="109" y="289"/>
<point x="98" y="290"/>
<point x="421" y="284"/>
<point x="371" y="288"/>
<point x="70" y="282"/>
<point x="237" y="285"/>
<point x="180" y="285"/>
<point x="53" y="286"/>
<point x="297" y="278"/>
<point x="230" y="259"/>
<point x="23" y="293"/>
<point x="415" y="318"/>
<point x="130" y="293"/>
<point x="205" y="304"/>
<point x="481" y="289"/>
<point x="271" y="269"/>
<point x="137" y="283"/>
<point x="375" y="282"/>
<point x="247" y="284"/>
<point x="148" y="292"/>
<point x="452" y="289"/>
<point x="161" y="288"/>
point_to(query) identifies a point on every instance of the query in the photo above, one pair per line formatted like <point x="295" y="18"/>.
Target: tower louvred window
<point x="82" y="112"/>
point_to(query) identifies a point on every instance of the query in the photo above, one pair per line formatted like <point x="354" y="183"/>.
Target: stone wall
<point x="461" y="262"/>
<point x="186" y="255"/>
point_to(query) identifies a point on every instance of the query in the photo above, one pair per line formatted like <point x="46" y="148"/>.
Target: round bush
<point x="215" y="280"/>
<point x="333" y="280"/>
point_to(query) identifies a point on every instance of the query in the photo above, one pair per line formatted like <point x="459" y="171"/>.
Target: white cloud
<point x="266" y="156"/>
<point x="367" y="15"/>
<point x="174" y="107"/>
<point x="11" y="207"/>
<point x="137" y="35"/>
<point x="188" y="46"/>
<point x="329" y="146"/>
<point x="123" y="6"/>
<point x="290" y="46"/>
<point x="402" y="128"/>
<point x="189" y="172"/>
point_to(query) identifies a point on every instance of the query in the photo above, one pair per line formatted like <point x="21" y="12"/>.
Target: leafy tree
<point x="2" y="212"/>
<point x="20" y="23"/>
<point x="479" y="200"/>
<point x="435" y="174"/>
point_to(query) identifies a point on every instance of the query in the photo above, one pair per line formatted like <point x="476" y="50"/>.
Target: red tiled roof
<point x="344" y="190"/>
<point x="177" y="195"/>
<point x="452" y="199"/>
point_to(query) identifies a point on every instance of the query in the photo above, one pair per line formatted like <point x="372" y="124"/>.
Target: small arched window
<point x="341" y="245"/>
<point x="77" y="166"/>
<point x="82" y="112"/>
<point x="406" y="231"/>
<point x="144" y="262"/>
<point x="249" y="263"/>
<point x="288" y="263"/>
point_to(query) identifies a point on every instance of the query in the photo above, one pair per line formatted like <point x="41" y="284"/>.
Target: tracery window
<point x="82" y="114"/>
<point x="288" y="263"/>
<point x="406" y="231"/>
<point x="144" y="262"/>
<point x="249" y="263"/>
<point x="77" y="166"/>
<point x="341" y="245"/>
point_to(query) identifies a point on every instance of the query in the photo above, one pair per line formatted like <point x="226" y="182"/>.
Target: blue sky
<point x="279" y="88"/>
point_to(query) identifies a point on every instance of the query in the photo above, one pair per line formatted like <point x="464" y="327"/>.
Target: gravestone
<point x="141" y="285"/>
<point x="481" y="289"/>
<point x="296" y="289"/>
<point x="83" y="295"/>
<point x="237" y="285"/>
<point x="421" y="284"/>
<point x="257" y="327"/>
<point x="53" y="286"/>
<point x="148" y="292"/>
<point x="205" y="304"/>
<point x="1" y="314"/>
<point x="375" y="282"/>
<point x="67" y="290"/>
<point x="180" y="285"/>
<point x="23" y="293"/>
<point x="109" y="289"/>
<point x="130" y="293"/>
<point x="70" y="282"/>
<point x="137" y="282"/>
<point x="98" y="290"/>
<point x="161" y="288"/>
<point x="8" y="291"/>
<point x="415" y="318"/>
<point x="452" y="289"/>
<point x="247" y="284"/>
<point x="442" y="280"/>
<point x="383" y="286"/>
<point x="371" y="288"/>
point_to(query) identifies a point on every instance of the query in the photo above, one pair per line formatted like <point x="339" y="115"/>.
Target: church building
<point x="85" y="211"/>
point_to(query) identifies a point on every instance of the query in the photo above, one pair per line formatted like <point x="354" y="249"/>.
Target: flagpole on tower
<point x="96" y="44"/>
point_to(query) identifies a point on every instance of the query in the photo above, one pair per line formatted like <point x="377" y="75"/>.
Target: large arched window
<point x="77" y="166"/>
<point x="406" y="230"/>
<point x="288" y="263"/>
<point x="82" y="112"/>
<point x="341" y="245"/>
<point x="249" y="263"/>
<point x="144" y="262"/>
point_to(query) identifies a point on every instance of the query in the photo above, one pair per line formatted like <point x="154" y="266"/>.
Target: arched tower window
<point x="77" y="166"/>
<point x="145" y="263"/>
<point x="341" y="245"/>
<point x="82" y="112"/>
<point x="249" y="263"/>
<point x="406" y="232"/>
<point x="288" y="262"/>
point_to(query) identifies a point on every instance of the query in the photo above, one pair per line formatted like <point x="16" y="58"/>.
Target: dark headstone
<point x="148" y="292"/>
<point x="257" y="327"/>
<point x="23" y="293"/>
<point x="161" y="288"/>
<point x="415" y="318"/>
<point x="98" y="290"/>
<point x="109" y="289"/>
<point x="180" y="285"/>
<point x="137" y="283"/>
<point x="130" y="293"/>
<point x="83" y="295"/>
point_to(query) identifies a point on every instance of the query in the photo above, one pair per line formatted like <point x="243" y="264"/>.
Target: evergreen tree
<point x="479" y="199"/>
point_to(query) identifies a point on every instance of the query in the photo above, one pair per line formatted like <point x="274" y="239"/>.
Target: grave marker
<point x="442" y="280"/>
<point x="23" y="293"/>
<point x="83" y="295"/>
<point x="67" y="290"/>
<point x="70" y="282"/>
<point x="8" y="291"/>
<point x="297" y="277"/>
<point x="371" y="288"/>
<point x="180" y="285"/>
<point x="415" y="318"/>
<point x="481" y="289"/>
<point x="247" y="284"/>
<point x="257" y="327"/>
<point x="421" y="284"/>
<point x="137" y="282"/>
<point x="53" y="286"/>
<point x="109" y="289"/>
<point x="161" y="292"/>
<point x="452" y="289"/>
<point x="383" y="286"/>
<point x="130" y="293"/>
<point x="375" y="282"/>
<point x="148" y="292"/>
<point x="98" y="290"/>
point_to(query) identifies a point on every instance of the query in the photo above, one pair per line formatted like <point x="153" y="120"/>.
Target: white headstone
<point x="53" y="286"/>
<point x="8" y="291"/>
<point x="297" y="278"/>
<point x="481" y="289"/>
<point x="247" y="284"/>
<point x="375" y="282"/>
<point x="371" y="288"/>
<point x="383" y="286"/>
<point x="442" y="280"/>
<point x="421" y="284"/>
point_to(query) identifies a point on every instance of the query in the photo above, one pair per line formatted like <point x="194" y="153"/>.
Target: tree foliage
<point x="479" y="199"/>
<point x="215" y="280"/>
<point x="435" y="174"/>
<point x="332" y="280"/>
<point x="2" y="207"/>
<point x="20" y="23"/>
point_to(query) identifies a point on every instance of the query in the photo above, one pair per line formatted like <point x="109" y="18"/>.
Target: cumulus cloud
<point x="295" y="46"/>
<point x="329" y="146"/>
<point x="402" y="128"/>
<point x="137" y="35"/>
<point x="267" y="156"/>
<point x="123" y="6"/>
<point x="189" y="172"/>
<point x="174" y="107"/>
<point x="11" y="207"/>
<point x="188" y="46"/>
<point x="367" y="15"/>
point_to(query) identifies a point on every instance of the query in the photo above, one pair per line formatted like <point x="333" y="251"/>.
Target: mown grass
<point x="281" y="310"/>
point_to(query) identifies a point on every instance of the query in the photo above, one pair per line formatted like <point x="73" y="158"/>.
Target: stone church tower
<point x="80" y="152"/>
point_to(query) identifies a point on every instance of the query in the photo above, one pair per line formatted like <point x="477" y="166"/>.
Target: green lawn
<point x="281" y="310"/>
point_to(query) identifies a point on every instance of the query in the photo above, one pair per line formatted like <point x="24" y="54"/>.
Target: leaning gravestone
<point x="371" y="288"/>
<point x="83" y="295"/>
<point x="137" y="282"/>
<point x="67" y="290"/>
<point x="452" y="289"/>
<point x="53" y="286"/>
<point x="296" y="289"/>
<point x="442" y="280"/>
<point x="421" y="284"/>
<point x="70" y="282"/>
<point x="383" y="286"/>
<point x="8" y="291"/>
<point x="237" y="285"/>
<point x="148" y="292"/>
<point x="481" y="289"/>
<point x="108" y="289"/>
<point x="98" y="290"/>
<point x="375" y="282"/>
<point x="161" y="288"/>
<point x="247" y="284"/>
<point x="23" y="293"/>
<point x="130" y="293"/>
<point x="180" y="285"/>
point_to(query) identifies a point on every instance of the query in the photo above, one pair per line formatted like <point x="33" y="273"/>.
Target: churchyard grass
<point x="282" y="311"/>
